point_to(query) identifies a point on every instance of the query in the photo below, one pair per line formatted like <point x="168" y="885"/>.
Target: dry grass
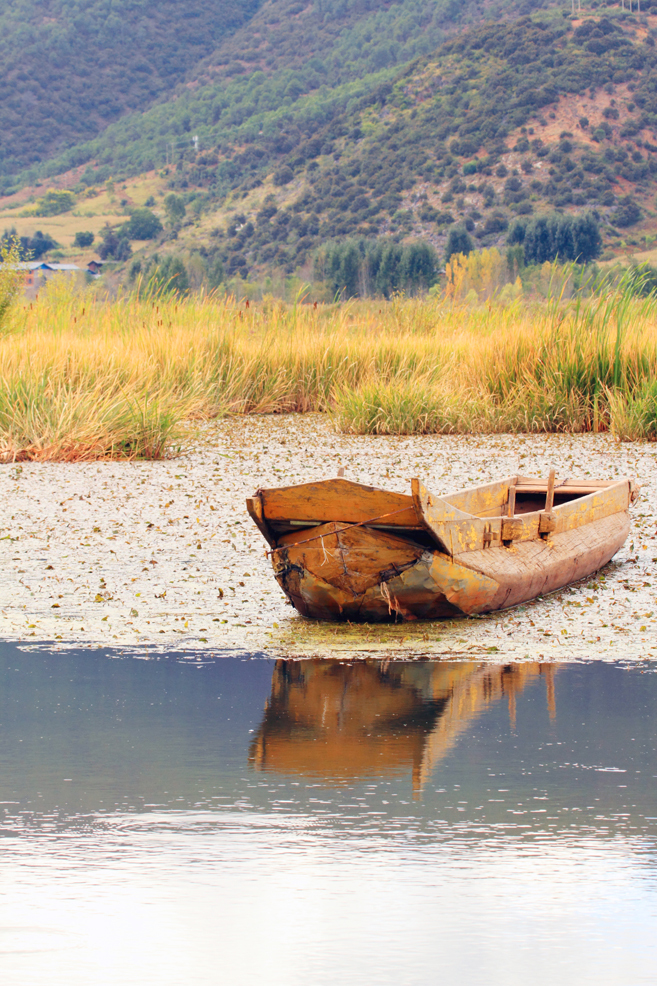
<point x="86" y="378"/>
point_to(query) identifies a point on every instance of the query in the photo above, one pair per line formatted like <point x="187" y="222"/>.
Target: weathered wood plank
<point x="532" y="484"/>
<point x="549" y="496"/>
<point x="486" y="500"/>
<point x="338" y="500"/>
<point x="530" y="568"/>
<point x="511" y="503"/>
<point x="254" y="509"/>
<point x="453" y="530"/>
<point x="435" y="514"/>
<point x="523" y="527"/>
<point x="351" y="558"/>
<point x="595" y="506"/>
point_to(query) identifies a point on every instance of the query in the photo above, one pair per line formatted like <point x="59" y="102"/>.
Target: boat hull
<point x="432" y="585"/>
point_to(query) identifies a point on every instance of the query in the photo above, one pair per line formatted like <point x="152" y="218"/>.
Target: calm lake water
<point x="239" y="821"/>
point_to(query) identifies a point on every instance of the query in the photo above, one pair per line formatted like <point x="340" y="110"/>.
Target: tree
<point x="216" y="273"/>
<point x="376" y="267"/>
<point x="29" y="248"/>
<point x="495" y="223"/>
<point x="283" y="176"/>
<point x="458" y="241"/>
<point x="114" y="246"/>
<point x="628" y="212"/>
<point x="34" y="247"/>
<point x="54" y="202"/>
<point x="143" y="225"/>
<point x="174" y="207"/>
<point x="83" y="239"/>
<point x="346" y="268"/>
<point x="385" y="261"/>
<point x="588" y="242"/>
<point x="169" y="276"/>
<point x="557" y="237"/>
<point x="419" y="266"/>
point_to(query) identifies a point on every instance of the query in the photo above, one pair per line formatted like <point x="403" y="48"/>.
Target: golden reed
<point x="85" y="377"/>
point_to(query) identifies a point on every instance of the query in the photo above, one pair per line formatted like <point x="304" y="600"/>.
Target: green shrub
<point x="174" y="207"/>
<point x="283" y="176"/>
<point x="627" y="213"/>
<point x="83" y="239"/>
<point x="54" y="202"/>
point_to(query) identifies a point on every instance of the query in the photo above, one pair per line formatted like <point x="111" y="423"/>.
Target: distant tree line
<point x="363" y="268"/>
<point x="557" y="237"/>
<point x="29" y="247"/>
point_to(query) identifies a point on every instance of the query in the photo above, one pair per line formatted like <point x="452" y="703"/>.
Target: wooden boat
<point x="343" y="551"/>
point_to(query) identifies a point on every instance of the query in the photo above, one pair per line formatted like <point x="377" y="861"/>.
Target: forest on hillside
<point x="402" y="165"/>
<point x="444" y="123"/>
<point x="71" y="68"/>
<point x="208" y="70"/>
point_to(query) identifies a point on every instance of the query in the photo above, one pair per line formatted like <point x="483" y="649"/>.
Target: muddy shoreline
<point x="157" y="557"/>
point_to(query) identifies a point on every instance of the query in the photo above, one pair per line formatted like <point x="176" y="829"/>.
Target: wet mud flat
<point x="160" y="556"/>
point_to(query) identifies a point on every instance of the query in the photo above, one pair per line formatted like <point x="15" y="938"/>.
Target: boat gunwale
<point x="608" y="487"/>
<point x="543" y="521"/>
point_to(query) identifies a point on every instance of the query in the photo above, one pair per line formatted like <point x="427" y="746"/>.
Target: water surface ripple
<point x="315" y="821"/>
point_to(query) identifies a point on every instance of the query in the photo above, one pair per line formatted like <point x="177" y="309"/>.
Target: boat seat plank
<point x="531" y="484"/>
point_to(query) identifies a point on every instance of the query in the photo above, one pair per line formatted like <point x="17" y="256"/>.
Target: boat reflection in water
<point x="342" y="722"/>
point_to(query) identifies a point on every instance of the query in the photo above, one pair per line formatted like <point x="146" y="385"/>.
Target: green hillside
<point x="333" y="121"/>
<point x="288" y="58"/>
<point x="69" y="69"/>
<point x="505" y="121"/>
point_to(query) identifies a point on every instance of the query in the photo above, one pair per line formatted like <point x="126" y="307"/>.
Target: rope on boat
<point x="320" y="537"/>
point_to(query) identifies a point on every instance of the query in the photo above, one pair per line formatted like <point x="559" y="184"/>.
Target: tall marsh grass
<point x="82" y="377"/>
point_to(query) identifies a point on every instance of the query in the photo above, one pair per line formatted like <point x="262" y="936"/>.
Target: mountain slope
<point x="503" y="121"/>
<point x="287" y="54"/>
<point x="67" y="69"/>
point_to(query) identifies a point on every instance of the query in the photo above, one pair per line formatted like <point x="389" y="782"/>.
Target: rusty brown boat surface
<point x="344" y="551"/>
